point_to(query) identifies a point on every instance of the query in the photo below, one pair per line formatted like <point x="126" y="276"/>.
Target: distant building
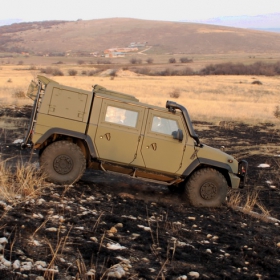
<point x="118" y="52"/>
<point x="138" y="44"/>
<point x="115" y="54"/>
<point x="95" y="54"/>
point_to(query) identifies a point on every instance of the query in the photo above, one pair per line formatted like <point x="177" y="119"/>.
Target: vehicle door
<point x="118" y="132"/>
<point x="160" y="149"/>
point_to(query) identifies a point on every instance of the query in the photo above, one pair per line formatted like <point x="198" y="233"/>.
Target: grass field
<point x="209" y="98"/>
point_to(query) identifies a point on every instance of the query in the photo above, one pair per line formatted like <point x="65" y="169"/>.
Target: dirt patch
<point x="107" y="226"/>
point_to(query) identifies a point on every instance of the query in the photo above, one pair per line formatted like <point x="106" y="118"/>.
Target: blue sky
<point x="175" y="10"/>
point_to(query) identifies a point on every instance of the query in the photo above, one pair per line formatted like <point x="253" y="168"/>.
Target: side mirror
<point x="178" y="135"/>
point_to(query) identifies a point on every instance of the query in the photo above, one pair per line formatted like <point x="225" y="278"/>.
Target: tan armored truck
<point x="74" y="129"/>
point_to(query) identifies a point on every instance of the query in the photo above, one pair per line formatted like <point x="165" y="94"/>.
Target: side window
<point x="121" y="116"/>
<point x="163" y="125"/>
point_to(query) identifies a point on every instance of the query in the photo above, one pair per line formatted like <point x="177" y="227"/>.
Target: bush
<point x="149" y="60"/>
<point x="185" y="60"/>
<point x="52" y="71"/>
<point x="258" y="68"/>
<point x="20" y="62"/>
<point x="276" y="112"/>
<point x="59" y="62"/>
<point x="175" y="93"/>
<point x="92" y="72"/>
<point x="32" y="67"/>
<point x="135" y="61"/>
<point x="257" y="83"/>
<point x="80" y="62"/>
<point x="172" y="60"/>
<point x="19" y="94"/>
<point x="57" y="72"/>
<point x="72" y="72"/>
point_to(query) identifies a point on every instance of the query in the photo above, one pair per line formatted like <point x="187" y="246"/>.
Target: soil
<point x="107" y="226"/>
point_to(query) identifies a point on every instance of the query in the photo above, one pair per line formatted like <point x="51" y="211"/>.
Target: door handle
<point x="153" y="145"/>
<point x="107" y="135"/>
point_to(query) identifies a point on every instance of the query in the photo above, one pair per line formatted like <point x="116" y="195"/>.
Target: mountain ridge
<point x="165" y="37"/>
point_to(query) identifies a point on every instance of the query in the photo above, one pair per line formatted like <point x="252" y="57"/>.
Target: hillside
<point x="164" y="37"/>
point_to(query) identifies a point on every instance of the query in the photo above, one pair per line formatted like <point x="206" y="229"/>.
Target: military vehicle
<point x="75" y="129"/>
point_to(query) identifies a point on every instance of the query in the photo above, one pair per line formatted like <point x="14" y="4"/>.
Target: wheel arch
<point x="199" y="164"/>
<point x="56" y="134"/>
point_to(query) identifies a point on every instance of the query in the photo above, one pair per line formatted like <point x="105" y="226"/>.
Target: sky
<point x="169" y="10"/>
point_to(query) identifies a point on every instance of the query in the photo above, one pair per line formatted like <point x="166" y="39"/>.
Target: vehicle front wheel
<point x="206" y="187"/>
<point x="63" y="162"/>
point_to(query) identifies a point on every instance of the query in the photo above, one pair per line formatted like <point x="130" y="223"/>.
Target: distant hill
<point x="63" y="37"/>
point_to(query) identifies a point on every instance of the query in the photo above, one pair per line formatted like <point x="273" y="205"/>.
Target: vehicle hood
<point x="216" y="157"/>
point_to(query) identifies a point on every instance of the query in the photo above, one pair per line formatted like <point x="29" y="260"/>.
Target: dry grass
<point x="247" y="203"/>
<point x="208" y="98"/>
<point x="23" y="183"/>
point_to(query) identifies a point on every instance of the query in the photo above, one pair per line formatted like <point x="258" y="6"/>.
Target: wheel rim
<point x="63" y="164"/>
<point x="208" y="191"/>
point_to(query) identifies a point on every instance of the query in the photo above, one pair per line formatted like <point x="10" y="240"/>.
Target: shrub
<point x="24" y="182"/>
<point x="185" y="60"/>
<point x="276" y="112"/>
<point x="20" y="62"/>
<point x="143" y="71"/>
<point x="57" y="72"/>
<point x="19" y="94"/>
<point x="59" y="62"/>
<point x="258" y="68"/>
<point x="135" y="61"/>
<point x="80" y="62"/>
<point x="172" y="60"/>
<point x="257" y="83"/>
<point x="92" y="72"/>
<point x="52" y="71"/>
<point x="32" y="67"/>
<point x="72" y="72"/>
<point x="175" y="93"/>
<point x="9" y="80"/>
<point x="149" y="60"/>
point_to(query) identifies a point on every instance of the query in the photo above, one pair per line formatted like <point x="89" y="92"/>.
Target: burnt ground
<point x="109" y="226"/>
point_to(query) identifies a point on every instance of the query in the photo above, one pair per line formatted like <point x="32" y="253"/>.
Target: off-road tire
<point x="206" y="187"/>
<point x="63" y="162"/>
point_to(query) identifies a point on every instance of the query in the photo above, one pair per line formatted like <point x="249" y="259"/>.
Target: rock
<point x="94" y="239"/>
<point x="115" y="246"/>
<point x="183" y="277"/>
<point x="51" y="229"/>
<point x="16" y="264"/>
<point x="116" y="271"/>
<point x="3" y="240"/>
<point x="193" y="274"/>
<point x="26" y="266"/>
<point x="119" y="225"/>
<point x="113" y="230"/>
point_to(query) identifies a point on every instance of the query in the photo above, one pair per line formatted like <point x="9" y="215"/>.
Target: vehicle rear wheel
<point x="206" y="187"/>
<point x="63" y="162"/>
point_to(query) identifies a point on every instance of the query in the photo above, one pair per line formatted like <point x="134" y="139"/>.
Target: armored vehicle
<point x="75" y="129"/>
